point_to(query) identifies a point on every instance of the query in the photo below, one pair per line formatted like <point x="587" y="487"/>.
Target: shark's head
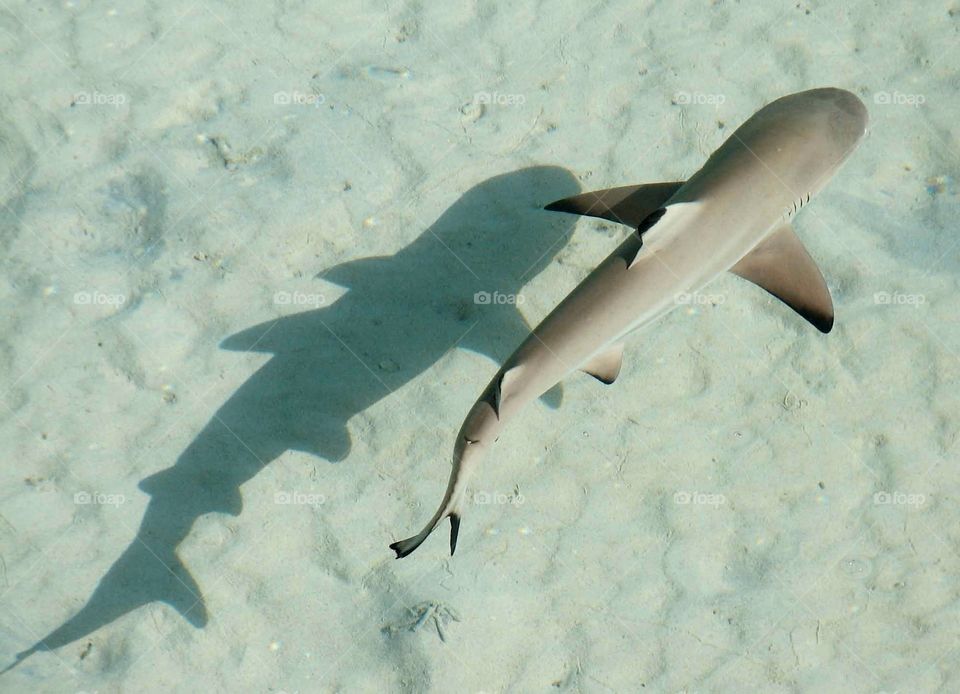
<point x="803" y="138"/>
<point x="786" y="152"/>
<point x="829" y="117"/>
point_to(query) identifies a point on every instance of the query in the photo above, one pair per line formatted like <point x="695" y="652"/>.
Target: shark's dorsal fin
<point x="628" y="205"/>
<point x="605" y="366"/>
<point x="781" y="265"/>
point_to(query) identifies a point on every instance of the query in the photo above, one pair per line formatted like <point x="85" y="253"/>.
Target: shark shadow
<point x="400" y="314"/>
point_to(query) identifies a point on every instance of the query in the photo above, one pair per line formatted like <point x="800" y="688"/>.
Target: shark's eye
<point x="650" y="220"/>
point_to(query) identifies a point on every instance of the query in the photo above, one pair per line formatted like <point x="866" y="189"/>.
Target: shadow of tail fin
<point x="137" y="578"/>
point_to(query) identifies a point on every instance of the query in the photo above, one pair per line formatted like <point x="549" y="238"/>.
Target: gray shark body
<point x="732" y="215"/>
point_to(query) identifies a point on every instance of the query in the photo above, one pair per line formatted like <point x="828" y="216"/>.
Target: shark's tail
<point x="481" y="424"/>
<point x="405" y="547"/>
<point x="451" y="507"/>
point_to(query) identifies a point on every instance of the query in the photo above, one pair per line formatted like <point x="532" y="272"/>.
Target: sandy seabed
<point x="242" y="245"/>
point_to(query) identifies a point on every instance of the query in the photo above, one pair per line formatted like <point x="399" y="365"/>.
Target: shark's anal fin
<point x="628" y="205"/>
<point x="781" y="265"/>
<point x="605" y="366"/>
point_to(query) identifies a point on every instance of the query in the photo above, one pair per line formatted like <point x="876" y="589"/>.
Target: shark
<point x="733" y="215"/>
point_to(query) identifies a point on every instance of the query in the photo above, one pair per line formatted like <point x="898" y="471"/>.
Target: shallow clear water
<point x="260" y="260"/>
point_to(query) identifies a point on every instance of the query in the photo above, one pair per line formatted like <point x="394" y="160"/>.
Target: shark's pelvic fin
<point x="781" y="265"/>
<point x="628" y="205"/>
<point x="605" y="366"/>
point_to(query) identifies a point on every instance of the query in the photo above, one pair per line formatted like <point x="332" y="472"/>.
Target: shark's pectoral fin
<point x="628" y="205"/>
<point x="605" y="366"/>
<point x="781" y="265"/>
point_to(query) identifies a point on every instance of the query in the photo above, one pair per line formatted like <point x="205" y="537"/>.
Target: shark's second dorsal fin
<point x="605" y="366"/>
<point x="781" y="265"/>
<point x="628" y="205"/>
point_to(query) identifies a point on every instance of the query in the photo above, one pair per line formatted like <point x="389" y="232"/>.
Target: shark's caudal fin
<point x="405" y="547"/>
<point x="781" y="265"/>
<point x="482" y="422"/>
<point x="628" y="205"/>
<point x="451" y="507"/>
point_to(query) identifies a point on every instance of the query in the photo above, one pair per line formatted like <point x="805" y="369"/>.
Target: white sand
<point x="179" y="194"/>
